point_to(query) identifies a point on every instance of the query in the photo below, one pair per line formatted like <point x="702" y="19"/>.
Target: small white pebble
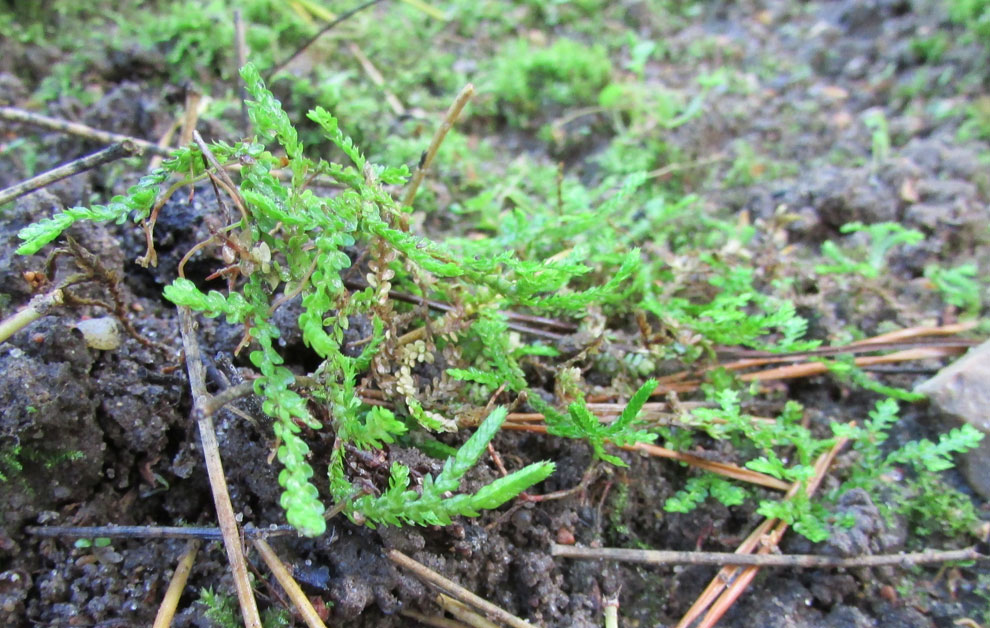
<point x="100" y="333"/>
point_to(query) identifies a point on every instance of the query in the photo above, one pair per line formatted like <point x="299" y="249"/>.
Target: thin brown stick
<point x="214" y="467"/>
<point x="915" y="332"/>
<point x="376" y="78"/>
<point x="455" y="590"/>
<point x="722" y="468"/>
<point x="448" y="122"/>
<point x="807" y="369"/>
<point x="812" y="561"/>
<point x="114" y="152"/>
<point x="289" y="585"/>
<point x="224" y="177"/>
<point x="166" y="611"/>
<point x="461" y="611"/>
<point x="227" y="395"/>
<point x="14" y="114"/>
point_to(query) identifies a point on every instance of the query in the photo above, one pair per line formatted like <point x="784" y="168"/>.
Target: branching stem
<point x="214" y="468"/>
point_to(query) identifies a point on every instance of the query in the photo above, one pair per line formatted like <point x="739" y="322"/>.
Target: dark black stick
<point x="117" y="151"/>
<point x="343" y="16"/>
<point x="149" y="532"/>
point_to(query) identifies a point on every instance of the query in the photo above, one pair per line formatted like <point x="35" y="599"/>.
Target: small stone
<point x="100" y="333"/>
<point x="962" y="389"/>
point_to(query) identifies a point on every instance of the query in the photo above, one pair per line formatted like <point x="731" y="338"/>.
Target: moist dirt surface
<point x="135" y="455"/>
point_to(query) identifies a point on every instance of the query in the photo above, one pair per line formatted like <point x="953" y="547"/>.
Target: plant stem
<point x="214" y="468"/>
<point x="38" y="306"/>
<point x="448" y="122"/>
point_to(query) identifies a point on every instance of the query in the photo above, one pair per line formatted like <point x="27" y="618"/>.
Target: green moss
<point x="567" y="73"/>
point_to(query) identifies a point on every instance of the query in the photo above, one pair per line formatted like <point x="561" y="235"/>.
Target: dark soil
<point x="126" y="411"/>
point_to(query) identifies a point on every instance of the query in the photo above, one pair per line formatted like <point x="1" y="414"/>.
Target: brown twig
<point x="376" y="78"/>
<point x="166" y="611"/>
<point x="14" y="114"/>
<point x="721" y="468"/>
<point x="114" y="152"/>
<point x="214" y="468"/>
<point x="228" y="395"/>
<point x="461" y="611"/>
<point x="224" y="177"/>
<point x="448" y="122"/>
<point x="289" y="585"/>
<point x="811" y="561"/>
<point x="455" y="590"/>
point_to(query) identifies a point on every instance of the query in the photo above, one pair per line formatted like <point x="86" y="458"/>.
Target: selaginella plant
<point x="289" y="242"/>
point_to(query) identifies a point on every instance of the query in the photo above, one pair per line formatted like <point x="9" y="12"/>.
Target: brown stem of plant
<point x="114" y="152"/>
<point x="448" y="122"/>
<point x="811" y="561"/>
<point x="376" y="77"/>
<point x="14" y="114"/>
<point x="214" y="467"/>
<point x="289" y="585"/>
<point x="224" y="177"/>
<point x="721" y="468"/>
<point x="166" y="611"/>
<point x="227" y="395"/>
<point x="463" y="612"/>
<point x="457" y="591"/>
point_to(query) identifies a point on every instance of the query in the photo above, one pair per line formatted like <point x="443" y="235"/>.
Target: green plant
<point x="580" y="423"/>
<point x="764" y="444"/>
<point x="882" y="237"/>
<point x="975" y="15"/>
<point x="566" y="73"/>
<point x="292" y="238"/>
<point x="923" y="497"/>
<point x="221" y="612"/>
<point x="876" y="121"/>
<point x="930" y="49"/>
<point x="959" y="286"/>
